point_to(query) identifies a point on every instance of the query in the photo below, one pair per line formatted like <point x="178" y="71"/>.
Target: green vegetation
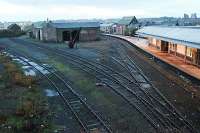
<point x="23" y="106"/>
<point x="130" y="31"/>
<point x="8" y="33"/>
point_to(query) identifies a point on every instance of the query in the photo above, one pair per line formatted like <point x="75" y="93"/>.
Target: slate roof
<point x="180" y="35"/>
<point x="106" y="24"/>
<point x="127" y="20"/>
<point x="39" y="25"/>
<point x="71" y="25"/>
<point x="14" y="27"/>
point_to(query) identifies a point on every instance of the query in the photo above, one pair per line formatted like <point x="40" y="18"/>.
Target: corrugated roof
<point x="186" y="36"/>
<point x="70" y="25"/>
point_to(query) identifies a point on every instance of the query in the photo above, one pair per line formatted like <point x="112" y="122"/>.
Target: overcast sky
<point x="34" y="10"/>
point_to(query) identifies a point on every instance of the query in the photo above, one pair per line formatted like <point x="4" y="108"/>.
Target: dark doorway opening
<point x="66" y="35"/>
<point x="75" y="35"/>
<point x="39" y="35"/>
<point x="164" y="46"/>
<point x="198" y="57"/>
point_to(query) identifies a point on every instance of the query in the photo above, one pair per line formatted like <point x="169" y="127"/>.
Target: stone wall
<point x="88" y="35"/>
<point x="49" y="34"/>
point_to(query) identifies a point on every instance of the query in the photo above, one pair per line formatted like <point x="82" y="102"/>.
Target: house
<point x="182" y="42"/>
<point x="125" y="25"/>
<point x="1" y="26"/>
<point x="29" y="30"/>
<point x="106" y="27"/>
<point x="62" y="32"/>
<point x="37" y="30"/>
<point x="14" y="28"/>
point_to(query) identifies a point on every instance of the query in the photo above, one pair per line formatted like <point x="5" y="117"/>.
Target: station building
<point x="182" y="42"/>
<point x="62" y="32"/>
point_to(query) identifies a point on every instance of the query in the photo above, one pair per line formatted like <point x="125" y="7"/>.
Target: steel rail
<point x="64" y="52"/>
<point x="66" y="102"/>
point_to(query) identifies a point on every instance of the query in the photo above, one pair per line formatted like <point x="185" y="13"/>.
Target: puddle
<point x="145" y="85"/>
<point x="28" y="69"/>
<point x="51" y="93"/>
<point x="38" y="67"/>
<point x="29" y="72"/>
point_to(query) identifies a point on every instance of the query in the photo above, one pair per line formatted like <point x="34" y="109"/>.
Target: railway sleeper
<point x="75" y="102"/>
<point x="139" y="79"/>
<point x="76" y="108"/>
<point x="145" y="86"/>
<point x="93" y="125"/>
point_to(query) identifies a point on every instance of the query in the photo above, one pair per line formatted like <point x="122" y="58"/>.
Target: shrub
<point x="8" y="33"/>
<point x="20" y="79"/>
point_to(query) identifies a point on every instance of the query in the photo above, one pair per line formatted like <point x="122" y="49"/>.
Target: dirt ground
<point x="121" y="117"/>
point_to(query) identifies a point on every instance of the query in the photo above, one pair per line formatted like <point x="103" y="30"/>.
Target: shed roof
<point x="39" y="25"/>
<point x="181" y="35"/>
<point x="70" y="25"/>
<point x="106" y="24"/>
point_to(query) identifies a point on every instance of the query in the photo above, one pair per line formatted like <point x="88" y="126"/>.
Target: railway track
<point x="142" y="95"/>
<point x="170" y="113"/>
<point x="84" y="114"/>
<point x="167" y="111"/>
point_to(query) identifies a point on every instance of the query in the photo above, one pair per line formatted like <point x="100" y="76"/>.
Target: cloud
<point x="16" y="10"/>
<point x="32" y="12"/>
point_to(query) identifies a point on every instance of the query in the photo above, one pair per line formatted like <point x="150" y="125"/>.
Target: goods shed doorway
<point x="75" y="35"/>
<point x="66" y="36"/>
<point x="164" y="46"/>
<point x="39" y="37"/>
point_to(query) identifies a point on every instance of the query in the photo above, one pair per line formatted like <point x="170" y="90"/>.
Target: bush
<point x="20" y="79"/>
<point x="7" y="33"/>
<point x="15" y="76"/>
<point x="130" y="31"/>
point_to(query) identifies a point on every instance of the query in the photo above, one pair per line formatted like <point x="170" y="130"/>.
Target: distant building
<point x="106" y="27"/>
<point x="1" y="26"/>
<point x="194" y="15"/>
<point x="182" y="42"/>
<point x="189" y="22"/>
<point x="124" y="25"/>
<point x="14" y="28"/>
<point x="186" y="16"/>
<point x="61" y="32"/>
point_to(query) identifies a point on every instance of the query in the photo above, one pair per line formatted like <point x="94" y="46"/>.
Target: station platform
<point x="174" y="61"/>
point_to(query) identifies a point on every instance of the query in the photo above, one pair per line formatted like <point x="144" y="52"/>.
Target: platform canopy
<point x="188" y="36"/>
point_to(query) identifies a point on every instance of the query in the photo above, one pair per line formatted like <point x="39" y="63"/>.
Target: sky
<point x="37" y="10"/>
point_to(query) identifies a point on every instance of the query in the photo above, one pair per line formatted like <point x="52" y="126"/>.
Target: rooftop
<point x="69" y="25"/>
<point x="106" y="24"/>
<point x="75" y="25"/>
<point x="127" y="20"/>
<point x="189" y="36"/>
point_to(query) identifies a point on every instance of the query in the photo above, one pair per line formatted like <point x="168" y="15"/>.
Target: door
<point x="66" y="35"/>
<point x="164" y="46"/>
<point x="198" y="57"/>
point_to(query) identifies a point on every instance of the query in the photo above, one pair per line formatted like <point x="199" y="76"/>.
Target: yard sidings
<point x="122" y="75"/>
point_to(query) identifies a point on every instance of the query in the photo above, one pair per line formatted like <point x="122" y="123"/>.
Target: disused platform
<point x="165" y="57"/>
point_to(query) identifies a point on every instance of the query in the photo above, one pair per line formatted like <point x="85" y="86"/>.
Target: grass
<point x="13" y="74"/>
<point x="26" y="107"/>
